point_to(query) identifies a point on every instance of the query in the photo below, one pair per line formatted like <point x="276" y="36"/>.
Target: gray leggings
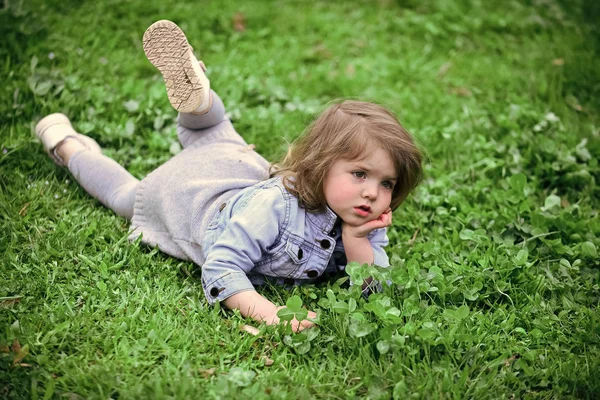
<point x="106" y="180"/>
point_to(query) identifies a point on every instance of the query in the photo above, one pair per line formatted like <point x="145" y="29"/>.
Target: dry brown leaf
<point x="444" y="69"/>
<point x="250" y="329"/>
<point x="239" y="22"/>
<point x="321" y="51"/>
<point x="564" y="202"/>
<point x="267" y="361"/>
<point x="414" y="237"/>
<point x="510" y="359"/>
<point x="577" y="107"/>
<point x="462" y="91"/>
<point x="23" y="210"/>
<point x="10" y="302"/>
<point x="207" y="373"/>
<point x="4" y="349"/>
<point x="20" y="355"/>
<point x="558" y="62"/>
<point x="353" y="381"/>
<point x="16" y="346"/>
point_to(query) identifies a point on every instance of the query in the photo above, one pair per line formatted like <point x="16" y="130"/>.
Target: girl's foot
<point x="60" y="139"/>
<point x="167" y="48"/>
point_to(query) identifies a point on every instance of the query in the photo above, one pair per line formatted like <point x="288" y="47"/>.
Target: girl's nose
<point x="370" y="192"/>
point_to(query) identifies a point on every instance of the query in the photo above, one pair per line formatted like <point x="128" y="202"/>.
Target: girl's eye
<point x="359" y="174"/>
<point x="387" y="184"/>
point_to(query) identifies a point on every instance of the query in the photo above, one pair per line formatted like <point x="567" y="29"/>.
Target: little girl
<point x="221" y="205"/>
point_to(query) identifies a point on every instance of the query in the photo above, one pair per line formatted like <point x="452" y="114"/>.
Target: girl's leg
<point x="202" y="115"/>
<point x="207" y="119"/>
<point x="193" y="126"/>
<point x="105" y="180"/>
<point x="99" y="175"/>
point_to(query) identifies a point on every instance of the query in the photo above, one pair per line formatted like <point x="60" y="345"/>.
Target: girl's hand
<point x="297" y="326"/>
<point x="361" y="231"/>
<point x="253" y="305"/>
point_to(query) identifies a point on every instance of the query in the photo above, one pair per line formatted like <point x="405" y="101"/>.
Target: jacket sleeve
<point x="379" y="240"/>
<point x="249" y="232"/>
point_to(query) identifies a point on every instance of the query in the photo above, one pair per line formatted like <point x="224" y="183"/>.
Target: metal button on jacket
<point x="312" y="273"/>
<point x="325" y="244"/>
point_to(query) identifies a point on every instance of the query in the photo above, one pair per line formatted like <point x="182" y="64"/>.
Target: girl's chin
<point x="356" y="221"/>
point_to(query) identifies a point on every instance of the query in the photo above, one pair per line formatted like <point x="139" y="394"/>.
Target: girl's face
<point x="360" y="191"/>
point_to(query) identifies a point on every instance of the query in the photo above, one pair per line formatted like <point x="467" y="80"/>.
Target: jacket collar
<point x="324" y="220"/>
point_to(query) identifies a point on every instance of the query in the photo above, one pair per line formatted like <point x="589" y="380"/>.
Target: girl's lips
<point x="362" y="211"/>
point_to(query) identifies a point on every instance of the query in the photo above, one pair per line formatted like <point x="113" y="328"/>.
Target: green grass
<point x="495" y="257"/>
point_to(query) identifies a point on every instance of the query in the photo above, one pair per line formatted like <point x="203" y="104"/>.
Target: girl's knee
<point x="123" y="199"/>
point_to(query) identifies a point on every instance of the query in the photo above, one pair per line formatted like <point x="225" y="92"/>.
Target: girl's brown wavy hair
<point x="348" y="130"/>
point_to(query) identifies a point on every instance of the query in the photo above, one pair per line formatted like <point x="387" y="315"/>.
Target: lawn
<point x="495" y="271"/>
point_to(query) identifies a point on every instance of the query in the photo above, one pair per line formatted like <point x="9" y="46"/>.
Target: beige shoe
<point x="167" y="48"/>
<point x="55" y="128"/>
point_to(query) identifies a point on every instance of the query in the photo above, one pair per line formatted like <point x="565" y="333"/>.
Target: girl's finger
<point x="389" y="219"/>
<point x="305" y="325"/>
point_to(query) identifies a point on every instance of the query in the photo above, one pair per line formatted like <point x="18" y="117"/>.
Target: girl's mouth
<point x="363" y="211"/>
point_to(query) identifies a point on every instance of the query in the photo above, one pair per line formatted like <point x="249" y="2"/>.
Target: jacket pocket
<point x="287" y="261"/>
<point x="297" y="250"/>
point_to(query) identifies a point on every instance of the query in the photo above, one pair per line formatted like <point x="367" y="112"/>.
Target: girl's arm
<point x="253" y="305"/>
<point x="358" y="249"/>
<point x="239" y="247"/>
<point x="357" y="245"/>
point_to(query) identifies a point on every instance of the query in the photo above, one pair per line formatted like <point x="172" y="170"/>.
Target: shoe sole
<point x="167" y="48"/>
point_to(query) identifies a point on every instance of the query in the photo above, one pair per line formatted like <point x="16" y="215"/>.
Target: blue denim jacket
<point x="262" y="234"/>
